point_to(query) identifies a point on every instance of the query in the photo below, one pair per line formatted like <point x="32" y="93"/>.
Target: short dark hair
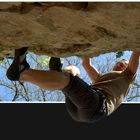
<point x="125" y="61"/>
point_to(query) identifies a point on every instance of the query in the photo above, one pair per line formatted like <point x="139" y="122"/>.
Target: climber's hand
<point x="72" y="69"/>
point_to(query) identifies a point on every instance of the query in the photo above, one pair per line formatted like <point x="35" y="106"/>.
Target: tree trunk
<point x="66" y="29"/>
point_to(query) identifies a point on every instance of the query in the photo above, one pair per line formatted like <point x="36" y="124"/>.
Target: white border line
<point x="35" y="102"/>
<point x="51" y="102"/>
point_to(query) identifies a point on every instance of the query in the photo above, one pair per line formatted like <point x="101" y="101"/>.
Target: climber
<point x="85" y="103"/>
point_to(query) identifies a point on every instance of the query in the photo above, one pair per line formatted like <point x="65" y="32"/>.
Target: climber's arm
<point x="91" y="70"/>
<point x="134" y="61"/>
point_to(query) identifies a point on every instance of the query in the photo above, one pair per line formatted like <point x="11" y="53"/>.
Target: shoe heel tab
<point x="21" y="51"/>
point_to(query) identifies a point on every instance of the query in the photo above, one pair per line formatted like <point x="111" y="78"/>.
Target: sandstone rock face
<point x="66" y="29"/>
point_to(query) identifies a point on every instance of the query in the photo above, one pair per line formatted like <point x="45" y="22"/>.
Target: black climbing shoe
<point x="55" y="64"/>
<point x="18" y="65"/>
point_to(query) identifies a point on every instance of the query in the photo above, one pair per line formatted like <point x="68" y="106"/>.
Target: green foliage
<point x="119" y="54"/>
<point x="1" y="61"/>
<point x="44" y="61"/>
<point x="1" y="58"/>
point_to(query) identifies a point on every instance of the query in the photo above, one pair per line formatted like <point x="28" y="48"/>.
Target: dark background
<point x="48" y="121"/>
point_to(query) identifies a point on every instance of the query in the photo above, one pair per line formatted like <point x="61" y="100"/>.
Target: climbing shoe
<point x="18" y="65"/>
<point x="55" y="64"/>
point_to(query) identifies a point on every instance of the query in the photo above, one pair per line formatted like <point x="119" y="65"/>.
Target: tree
<point x="16" y="91"/>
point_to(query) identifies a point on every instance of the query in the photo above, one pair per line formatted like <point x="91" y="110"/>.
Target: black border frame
<point x="53" y="120"/>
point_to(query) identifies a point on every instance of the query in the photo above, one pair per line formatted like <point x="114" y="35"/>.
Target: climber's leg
<point x="51" y="80"/>
<point x="20" y="70"/>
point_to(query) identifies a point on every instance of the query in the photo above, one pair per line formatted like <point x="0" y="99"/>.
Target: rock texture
<point x="66" y="29"/>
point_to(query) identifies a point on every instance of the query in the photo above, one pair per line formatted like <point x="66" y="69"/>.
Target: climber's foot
<point x="18" y="65"/>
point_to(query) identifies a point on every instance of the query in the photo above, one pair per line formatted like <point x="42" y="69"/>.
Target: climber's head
<point x="121" y="65"/>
